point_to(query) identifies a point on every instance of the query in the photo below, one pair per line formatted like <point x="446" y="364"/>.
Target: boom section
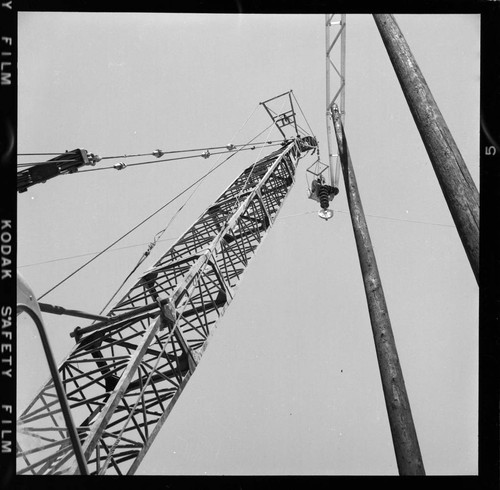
<point x="124" y="375"/>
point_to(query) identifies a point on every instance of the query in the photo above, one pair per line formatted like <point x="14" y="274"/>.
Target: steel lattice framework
<point x="125" y="374"/>
<point x="335" y="27"/>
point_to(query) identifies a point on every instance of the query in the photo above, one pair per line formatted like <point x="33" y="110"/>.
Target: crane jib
<point x="124" y="375"/>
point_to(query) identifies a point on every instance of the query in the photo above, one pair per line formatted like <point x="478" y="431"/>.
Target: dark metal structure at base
<point x="66" y="163"/>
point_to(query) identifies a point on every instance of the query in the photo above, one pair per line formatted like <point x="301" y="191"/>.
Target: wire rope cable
<point x="136" y="155"/>
<point x="303" y="115"/>
<point x="215" y="167"/>
<point x="135" y="227"/>
<point x="71" y="257"/>
<point x="170" y="159"/>
<point x="145" y="254"/>
<point x="160" y="233"/>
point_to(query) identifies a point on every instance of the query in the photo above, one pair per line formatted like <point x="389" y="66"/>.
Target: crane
<point x="139" y="358"/>
<point x="127" y="370"/>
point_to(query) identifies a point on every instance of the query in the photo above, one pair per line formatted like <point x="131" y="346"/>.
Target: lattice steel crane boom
<point x="125" y="374"/>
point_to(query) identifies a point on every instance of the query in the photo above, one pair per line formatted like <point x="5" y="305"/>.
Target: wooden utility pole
<point x="459" y="189"/>
<point x="404" y="436"/>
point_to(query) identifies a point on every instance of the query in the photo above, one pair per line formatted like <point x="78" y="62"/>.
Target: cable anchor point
<point x="93" y="159"/>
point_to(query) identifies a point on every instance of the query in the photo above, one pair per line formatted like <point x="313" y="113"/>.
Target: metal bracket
<point x="282" y="118"/>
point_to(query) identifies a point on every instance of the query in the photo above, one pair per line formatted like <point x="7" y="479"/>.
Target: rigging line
<point x="401" y="219"/>
<point x="135" y="227"/>
<point x="175" y="238"/>
<point x="148" y="251"/>
<point x="91" y="253"/>
<point x="242" y="148"/>
<point x="169" y="159"/>
<point x="146" y="219"/>
<point x="303" y="115"/>
<point x="294" y="215"/>
<point x="136" y="155"/>
<point x="244" y="124"/>
<point x="303" y="130"/>
<point x="374" y="216"/>
<point x="183" y="151"/>
<point x="141" y="260"/>
<point x="269" y="143"/>
<point x="160" y="233"/>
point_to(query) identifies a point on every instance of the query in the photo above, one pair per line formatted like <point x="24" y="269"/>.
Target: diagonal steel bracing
<point x="124" y="375"/>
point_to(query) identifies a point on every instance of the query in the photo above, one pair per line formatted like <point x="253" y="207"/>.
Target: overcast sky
<point x="289" y="383"/>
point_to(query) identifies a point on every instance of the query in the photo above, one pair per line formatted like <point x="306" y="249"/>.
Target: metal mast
<point x="325" y="178"/>
<point x="335" y="45"/>
<point x="125" y="374"/>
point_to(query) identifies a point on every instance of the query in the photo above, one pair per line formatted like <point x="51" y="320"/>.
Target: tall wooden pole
<point x="404" y="436"/>
<point x="459" y="189"/>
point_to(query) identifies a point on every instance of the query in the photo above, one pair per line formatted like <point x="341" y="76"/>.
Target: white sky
<point x="289" y="383"/>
